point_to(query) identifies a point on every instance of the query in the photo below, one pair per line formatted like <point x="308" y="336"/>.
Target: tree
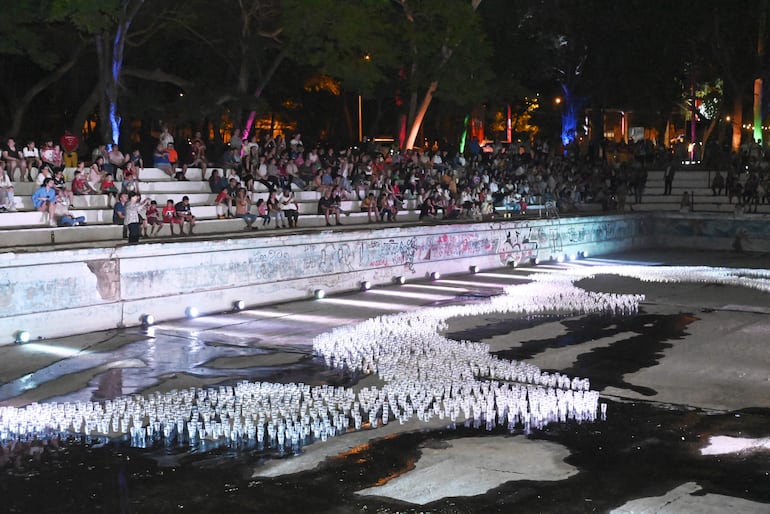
<point x="445" y="44"/>
<point x="37" y="53"/>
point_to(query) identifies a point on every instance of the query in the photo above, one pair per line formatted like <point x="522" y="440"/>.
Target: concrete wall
<point x="65" y="292"/>
<point x="711" y="231"/>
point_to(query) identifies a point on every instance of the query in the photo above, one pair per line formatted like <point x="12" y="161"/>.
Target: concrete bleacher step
<point x="44" y="235"/>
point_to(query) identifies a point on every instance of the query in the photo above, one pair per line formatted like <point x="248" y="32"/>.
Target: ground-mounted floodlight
<point x="366" y="285"/>
<point x="191" y="312"/>
<point x="319" y="294"/>
<point x="435" y="275"/>
<point x="239" y="305"/>
<point x="22" y="336"/>
<point x="473" y="269"/>
<point x="534" y="261"/>
<point x="560" y="258"/>
<point x="148" y="319"/>
<point x="399" y="280"/>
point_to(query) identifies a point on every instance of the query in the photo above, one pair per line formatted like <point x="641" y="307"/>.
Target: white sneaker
<point x="52" y="224"/>
<point x="12" y="208"/>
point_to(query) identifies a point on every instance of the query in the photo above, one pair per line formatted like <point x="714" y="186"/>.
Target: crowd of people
<point x="256" y="177"/>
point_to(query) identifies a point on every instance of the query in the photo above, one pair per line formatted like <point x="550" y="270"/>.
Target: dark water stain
<point x="605" y="365"/>
<point x="494" y="327"/>
<point x="642" y="450"/>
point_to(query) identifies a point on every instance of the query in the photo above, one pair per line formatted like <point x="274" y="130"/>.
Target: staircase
<point x="697" y="182"/>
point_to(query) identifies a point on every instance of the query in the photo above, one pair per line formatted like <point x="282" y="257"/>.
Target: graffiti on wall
<point x="389" y="252"/>
<point x="511" y="243"/>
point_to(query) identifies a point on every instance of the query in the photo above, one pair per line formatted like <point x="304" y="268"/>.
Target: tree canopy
<point x="103" y="66"/>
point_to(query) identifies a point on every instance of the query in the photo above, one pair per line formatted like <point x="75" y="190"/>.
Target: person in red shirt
<point x="170" y="217"/>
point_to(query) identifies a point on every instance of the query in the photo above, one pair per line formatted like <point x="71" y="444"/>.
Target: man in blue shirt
<point x="119" y="213"/>
<point x="44" y="200"/>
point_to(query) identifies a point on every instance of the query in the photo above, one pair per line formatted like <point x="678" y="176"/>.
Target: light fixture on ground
<point x="148" y="319"/>
<point x="191" y="312"/>
<point x="474" y="269"/>
<point x="435" y="275"/>
<point x="399" y="280"/>
<point x="319" y="294"/>
<point x="239" y="305"/>
<point x="366" y="285"/>
<point x="582" y="255"/>
<point x="534" y="261"/>
<point x="560" y="257"/>
<point x="22" y="336"/>
<point x="573" y="256"/>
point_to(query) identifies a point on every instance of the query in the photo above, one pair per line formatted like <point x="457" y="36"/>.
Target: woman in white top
<point x="6" y="191"/>
<point x="289" y="207"/>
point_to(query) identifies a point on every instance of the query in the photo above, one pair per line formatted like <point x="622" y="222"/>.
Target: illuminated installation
<point x="425" y="376"/>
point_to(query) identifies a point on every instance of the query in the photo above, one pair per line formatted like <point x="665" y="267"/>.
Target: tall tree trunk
<point x="737" y="123"/>
<point x="416" y="122"/>
<point x="420" y="115"/>
<point x="262" y="85"/>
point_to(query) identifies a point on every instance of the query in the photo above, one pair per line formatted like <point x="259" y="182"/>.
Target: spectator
<point x="7" y="202"/>
<point x="262" y="211"/>
<point x="328" y="207"/>
<point x="45" y="172"/>
<point x="61" y="186"/>
<point x="152" y="220"/>
<point x="129" y="184"/>
<point x="109" y="188"/>
<point x="242" y="208"/>
<point x="133" y="218"/>
<point x="231" y="160"/>
<point x="160" y="160"/>
<point x="173" y="158"/>
<point x="184" y="213"/>
<point x="226" y="198"/>
<point x="119" y="213"/>
<point x="14" y="159"/>
<point x="133" y="171"/>
<point x="717" y="184"/>
<point x="32" y="156"/>
<point x="369" y="206"/>
<point x="165" y="137"/>
<point x="115" y="160"/>
<point x="388" y="207"/>
<point x="275" y="211"/>
<point x="427" y="209"/>
<point x="96" y="174"/>
<point x="52" y="155"/>
<point x="170" y="217"/>
<point x="289" y="207"/>
<point x="197" y="158"/>
<point x="99" y="151"/>
<point x="64" y="217"/>
<point x="44" y="200"/>
<point x="138" y="162"/>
